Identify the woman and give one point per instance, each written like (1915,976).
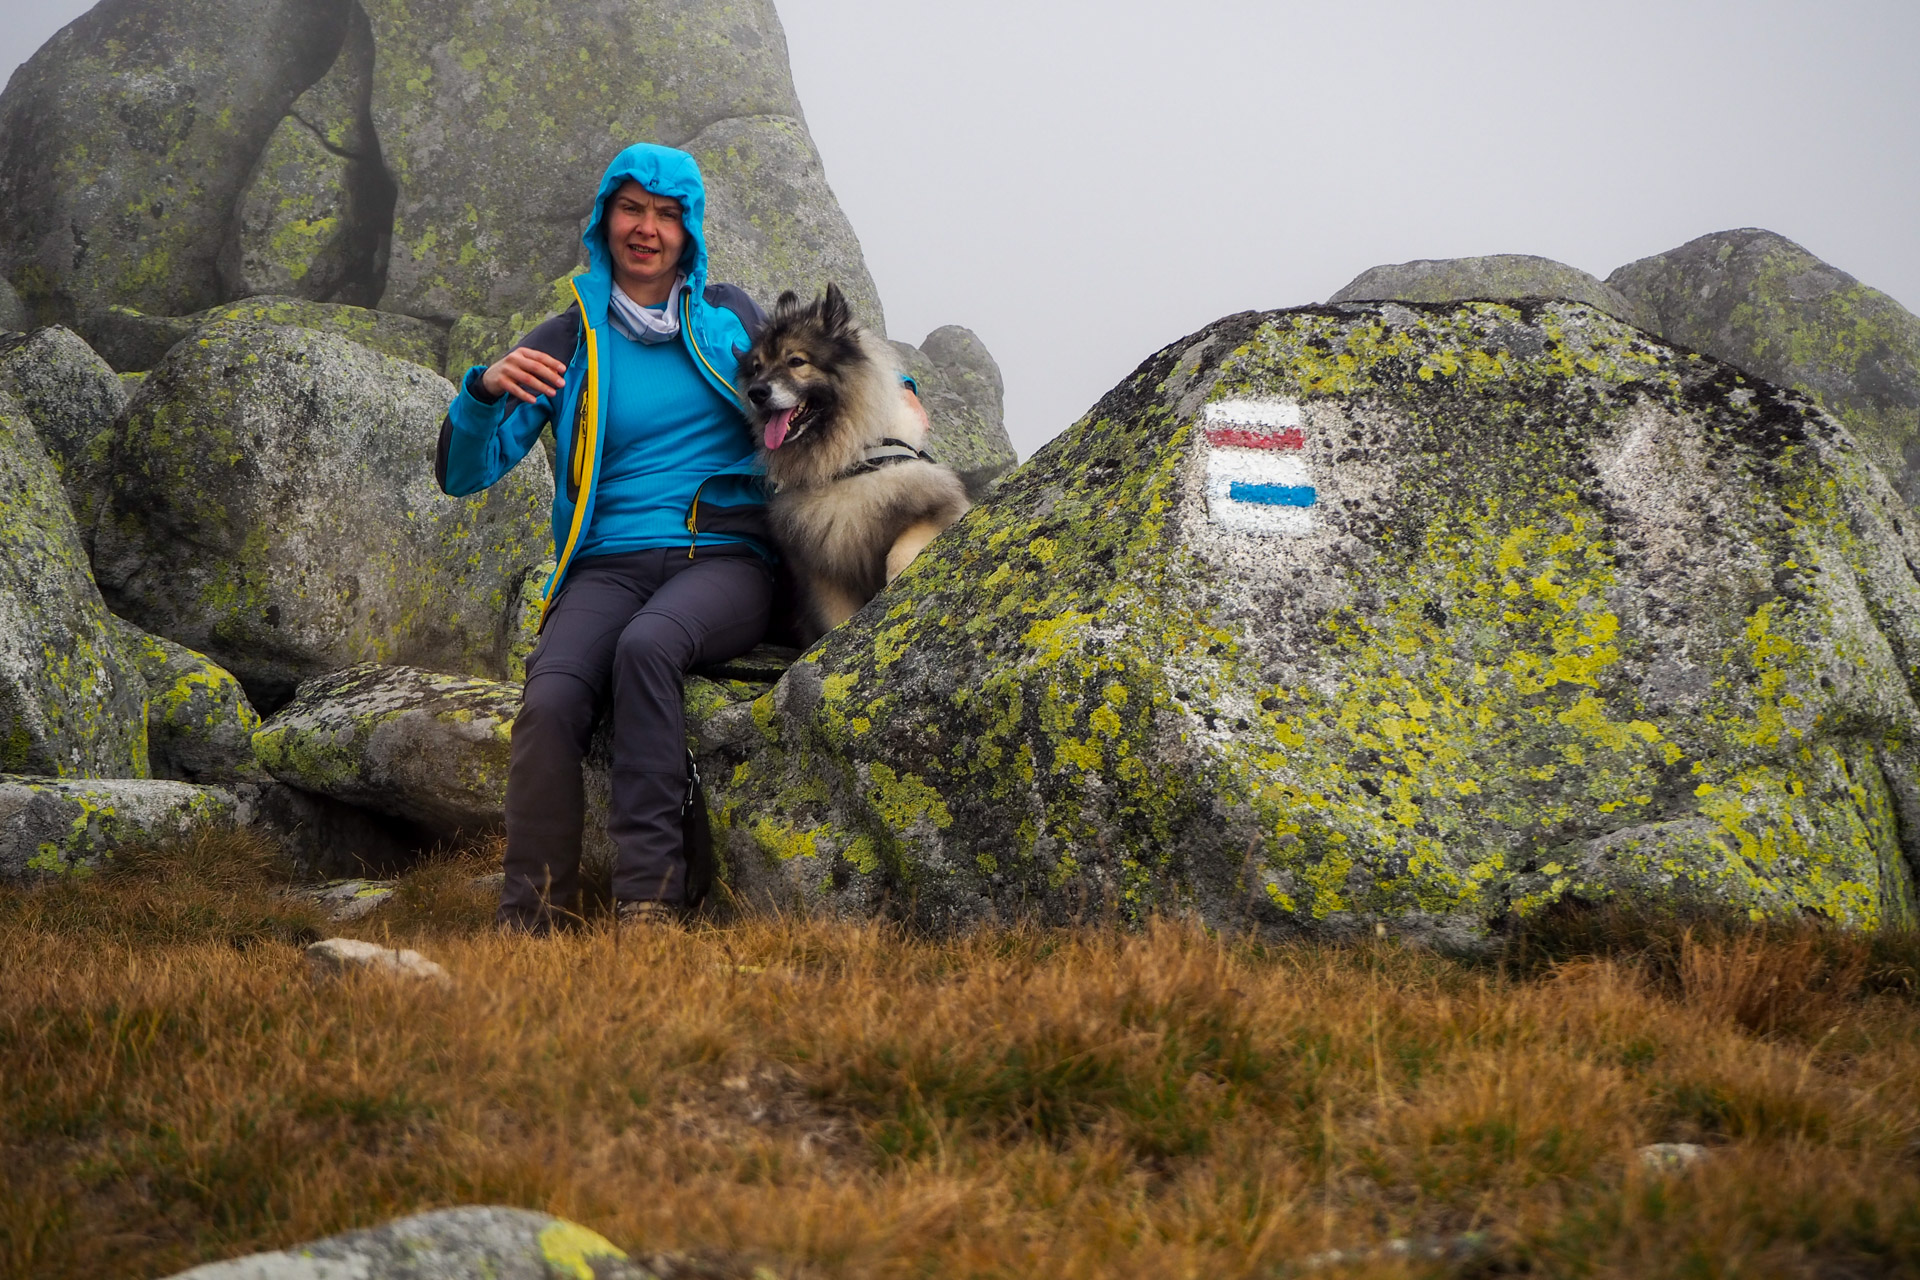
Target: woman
(663,561)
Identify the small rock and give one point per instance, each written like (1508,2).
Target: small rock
(1672,1157)
(336,957)
(347,900)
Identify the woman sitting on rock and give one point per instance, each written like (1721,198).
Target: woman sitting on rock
(664,560)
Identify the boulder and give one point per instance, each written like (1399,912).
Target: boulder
(432,750)
(135,343)
(498,1243)
(71,702)
(463,94)
(14,317)
(1501,276)
(429,749)
(1764,304)
(1416,616)
(72,397)
(965,400)
(772,222)
(200,725)
(273,506)
(126,140)
(338,957)
(54,827)
(314,218)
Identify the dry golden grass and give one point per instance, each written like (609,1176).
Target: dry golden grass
(834,1100)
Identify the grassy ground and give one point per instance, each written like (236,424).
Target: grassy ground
(830,1100)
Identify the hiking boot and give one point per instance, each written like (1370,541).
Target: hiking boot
(646,915)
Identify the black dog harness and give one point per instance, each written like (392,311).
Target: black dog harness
(885,454)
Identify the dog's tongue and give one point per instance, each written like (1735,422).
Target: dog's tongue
(777,427)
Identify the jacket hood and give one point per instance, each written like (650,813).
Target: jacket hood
(664,172)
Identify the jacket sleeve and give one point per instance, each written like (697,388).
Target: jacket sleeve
(482,439)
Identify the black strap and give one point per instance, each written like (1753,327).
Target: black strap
(870,464)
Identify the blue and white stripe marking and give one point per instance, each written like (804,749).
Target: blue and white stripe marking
(1257,475)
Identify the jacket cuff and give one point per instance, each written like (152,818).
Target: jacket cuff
(473,386)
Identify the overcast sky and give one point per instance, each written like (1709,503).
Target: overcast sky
(1082,182)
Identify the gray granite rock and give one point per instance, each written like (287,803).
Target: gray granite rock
(317,212)
(1503,276)
(273,507)
(72,702)
(200,725)
(72,397)
(1761,302)
(446,1244)
(126,139)
(55,827)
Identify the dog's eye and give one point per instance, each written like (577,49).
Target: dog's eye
(796,362)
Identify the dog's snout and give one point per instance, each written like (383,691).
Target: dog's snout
(759,393)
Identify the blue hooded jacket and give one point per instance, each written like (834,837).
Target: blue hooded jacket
(483,439)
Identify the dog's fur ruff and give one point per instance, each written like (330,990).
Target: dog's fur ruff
(847,533)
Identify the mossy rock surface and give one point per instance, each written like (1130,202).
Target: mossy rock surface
(72,397)
(474,1241)
(496,120)
(72,703)
(273,507)
(1572,614)
(54,827)
(1761,302)
(1505,277)
(314,218)
(126,139)
(965,400)
(200,725)
(14,316)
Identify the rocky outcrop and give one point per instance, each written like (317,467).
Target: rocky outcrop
(200,725)
(1421,615)
(772,222)
(71,702)
(273,506)
(314,218)
(125,141)
(72,397)
(14,317)
(498,1243)
(460,104)
(136,343)
(966,405)
(1502,277)
(1761,302)
(52,827)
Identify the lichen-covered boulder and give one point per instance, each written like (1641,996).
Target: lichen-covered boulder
(431,749)
(200,725)
(126,139)
(14,317)
(273,506)
(965,401)
(463,95)
(1761,302)
(1501,276)
(135,343)
(446,1244)
(71,702)
(1424,615)
(54,827)
(772,222)
(314,217)
(72,397)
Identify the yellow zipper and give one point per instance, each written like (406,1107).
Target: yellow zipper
(582,464)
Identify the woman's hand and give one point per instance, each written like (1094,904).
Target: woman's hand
(527,373)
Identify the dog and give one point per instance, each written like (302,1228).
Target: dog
(855,494)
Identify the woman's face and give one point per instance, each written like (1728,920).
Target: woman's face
(645,237)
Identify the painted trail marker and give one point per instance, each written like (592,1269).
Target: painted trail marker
(1257,476)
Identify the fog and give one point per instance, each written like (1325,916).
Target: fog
(1082,183)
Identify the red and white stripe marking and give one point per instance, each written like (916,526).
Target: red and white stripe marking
(1258,480)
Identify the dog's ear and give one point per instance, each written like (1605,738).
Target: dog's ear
(834,311)
(786,304)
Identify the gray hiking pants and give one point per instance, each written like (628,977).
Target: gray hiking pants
(620,638)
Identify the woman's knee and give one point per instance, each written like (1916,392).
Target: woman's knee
(555,705)
(655,640)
